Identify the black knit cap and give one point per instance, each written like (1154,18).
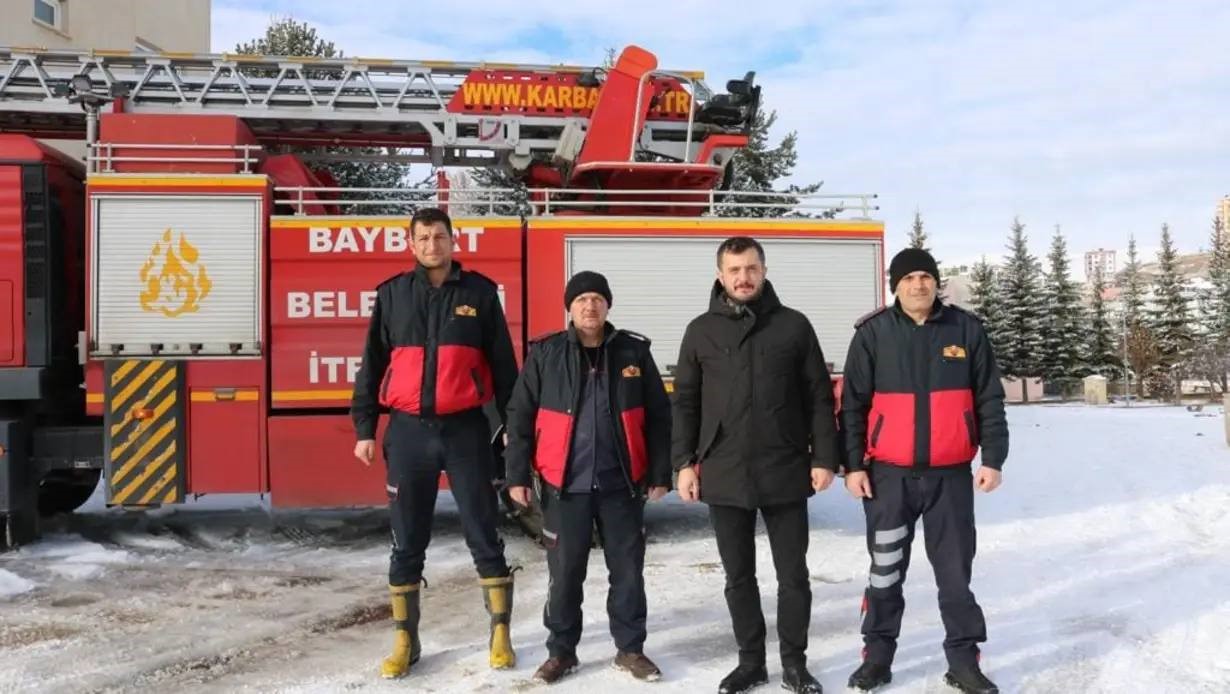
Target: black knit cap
(586,281)
(911,260)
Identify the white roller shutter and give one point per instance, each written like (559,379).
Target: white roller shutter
(177,272)
(660,285)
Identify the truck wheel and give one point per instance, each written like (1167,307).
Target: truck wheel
(64,492)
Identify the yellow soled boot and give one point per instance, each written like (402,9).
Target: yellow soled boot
(498,596)
(406,647)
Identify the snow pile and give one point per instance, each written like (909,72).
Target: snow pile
(11,584)
(74,558)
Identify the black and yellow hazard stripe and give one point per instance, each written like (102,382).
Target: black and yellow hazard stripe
(143,406)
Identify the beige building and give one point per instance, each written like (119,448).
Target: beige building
(1101,260)
(1223,212)
(126,25)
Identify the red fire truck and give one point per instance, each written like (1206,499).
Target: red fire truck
(184,314)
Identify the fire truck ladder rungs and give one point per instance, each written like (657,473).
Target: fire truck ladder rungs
(306,100)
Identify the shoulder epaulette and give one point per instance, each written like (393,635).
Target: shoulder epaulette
(480,276)
(868,316)
(546,336)
(390,280)
(964,310)
(636,336)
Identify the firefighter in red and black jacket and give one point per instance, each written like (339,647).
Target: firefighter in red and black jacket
(591,416)
(438,349)
(921,394)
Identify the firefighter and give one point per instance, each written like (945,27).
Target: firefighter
(755,431)
(438,349)
(590,414)
(921,392)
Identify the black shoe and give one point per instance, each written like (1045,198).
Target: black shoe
(970,680)
(744,679)
(870,676)
(797,679)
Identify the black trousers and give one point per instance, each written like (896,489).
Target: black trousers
(417,449)
(568,522)
(735,529)
(945,501)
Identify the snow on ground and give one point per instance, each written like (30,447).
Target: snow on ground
(1102,567)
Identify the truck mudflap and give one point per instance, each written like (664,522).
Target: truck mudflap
(145,461)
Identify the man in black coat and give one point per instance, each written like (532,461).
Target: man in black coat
(921,394)
(590,415)
(755,430)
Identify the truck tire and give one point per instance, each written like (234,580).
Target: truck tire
(64,492)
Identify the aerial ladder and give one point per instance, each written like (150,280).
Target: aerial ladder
(557,125)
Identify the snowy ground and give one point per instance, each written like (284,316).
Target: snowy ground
(1102,567)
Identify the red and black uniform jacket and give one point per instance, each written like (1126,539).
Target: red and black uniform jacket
(922,396)
(542,412)
(434,351)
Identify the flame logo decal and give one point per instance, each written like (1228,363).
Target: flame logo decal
(174,281)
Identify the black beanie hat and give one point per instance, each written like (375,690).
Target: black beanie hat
(586,281)
(911,260)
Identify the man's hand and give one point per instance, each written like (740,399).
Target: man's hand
(821,478)
(987,479)
(858,484)
(365,451)
(656,493)
(520,495)
(688,484)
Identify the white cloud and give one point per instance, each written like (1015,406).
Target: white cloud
(1106,117)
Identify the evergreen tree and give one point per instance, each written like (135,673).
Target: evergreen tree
(1103,355)
(985,299)
(1018,336)
(286,37)
(1170,318)
(918,236)
(1063,325)
(1215,309)
(1133,283)
(759,166)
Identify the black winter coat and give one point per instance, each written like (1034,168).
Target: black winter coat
(924,397)
(542,412)
(753,403)
(434,351)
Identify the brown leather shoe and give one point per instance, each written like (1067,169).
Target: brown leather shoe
(555,668)
(641,667)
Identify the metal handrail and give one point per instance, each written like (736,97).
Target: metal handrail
(547,198)
(101,158)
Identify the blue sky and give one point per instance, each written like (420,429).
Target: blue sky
(1106,117)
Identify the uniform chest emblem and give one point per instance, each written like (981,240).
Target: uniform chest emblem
(954,352)
(631,371)
(466,310)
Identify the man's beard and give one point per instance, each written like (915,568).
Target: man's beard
(732,299)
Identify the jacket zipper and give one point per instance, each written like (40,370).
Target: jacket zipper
(875,431)
(970,429)
(478,384)
(388,380)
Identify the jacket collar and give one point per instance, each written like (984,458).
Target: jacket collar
(575,338)
(937,311)
(722,305)
(454,272)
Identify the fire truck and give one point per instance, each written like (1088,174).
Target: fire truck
(183,313)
